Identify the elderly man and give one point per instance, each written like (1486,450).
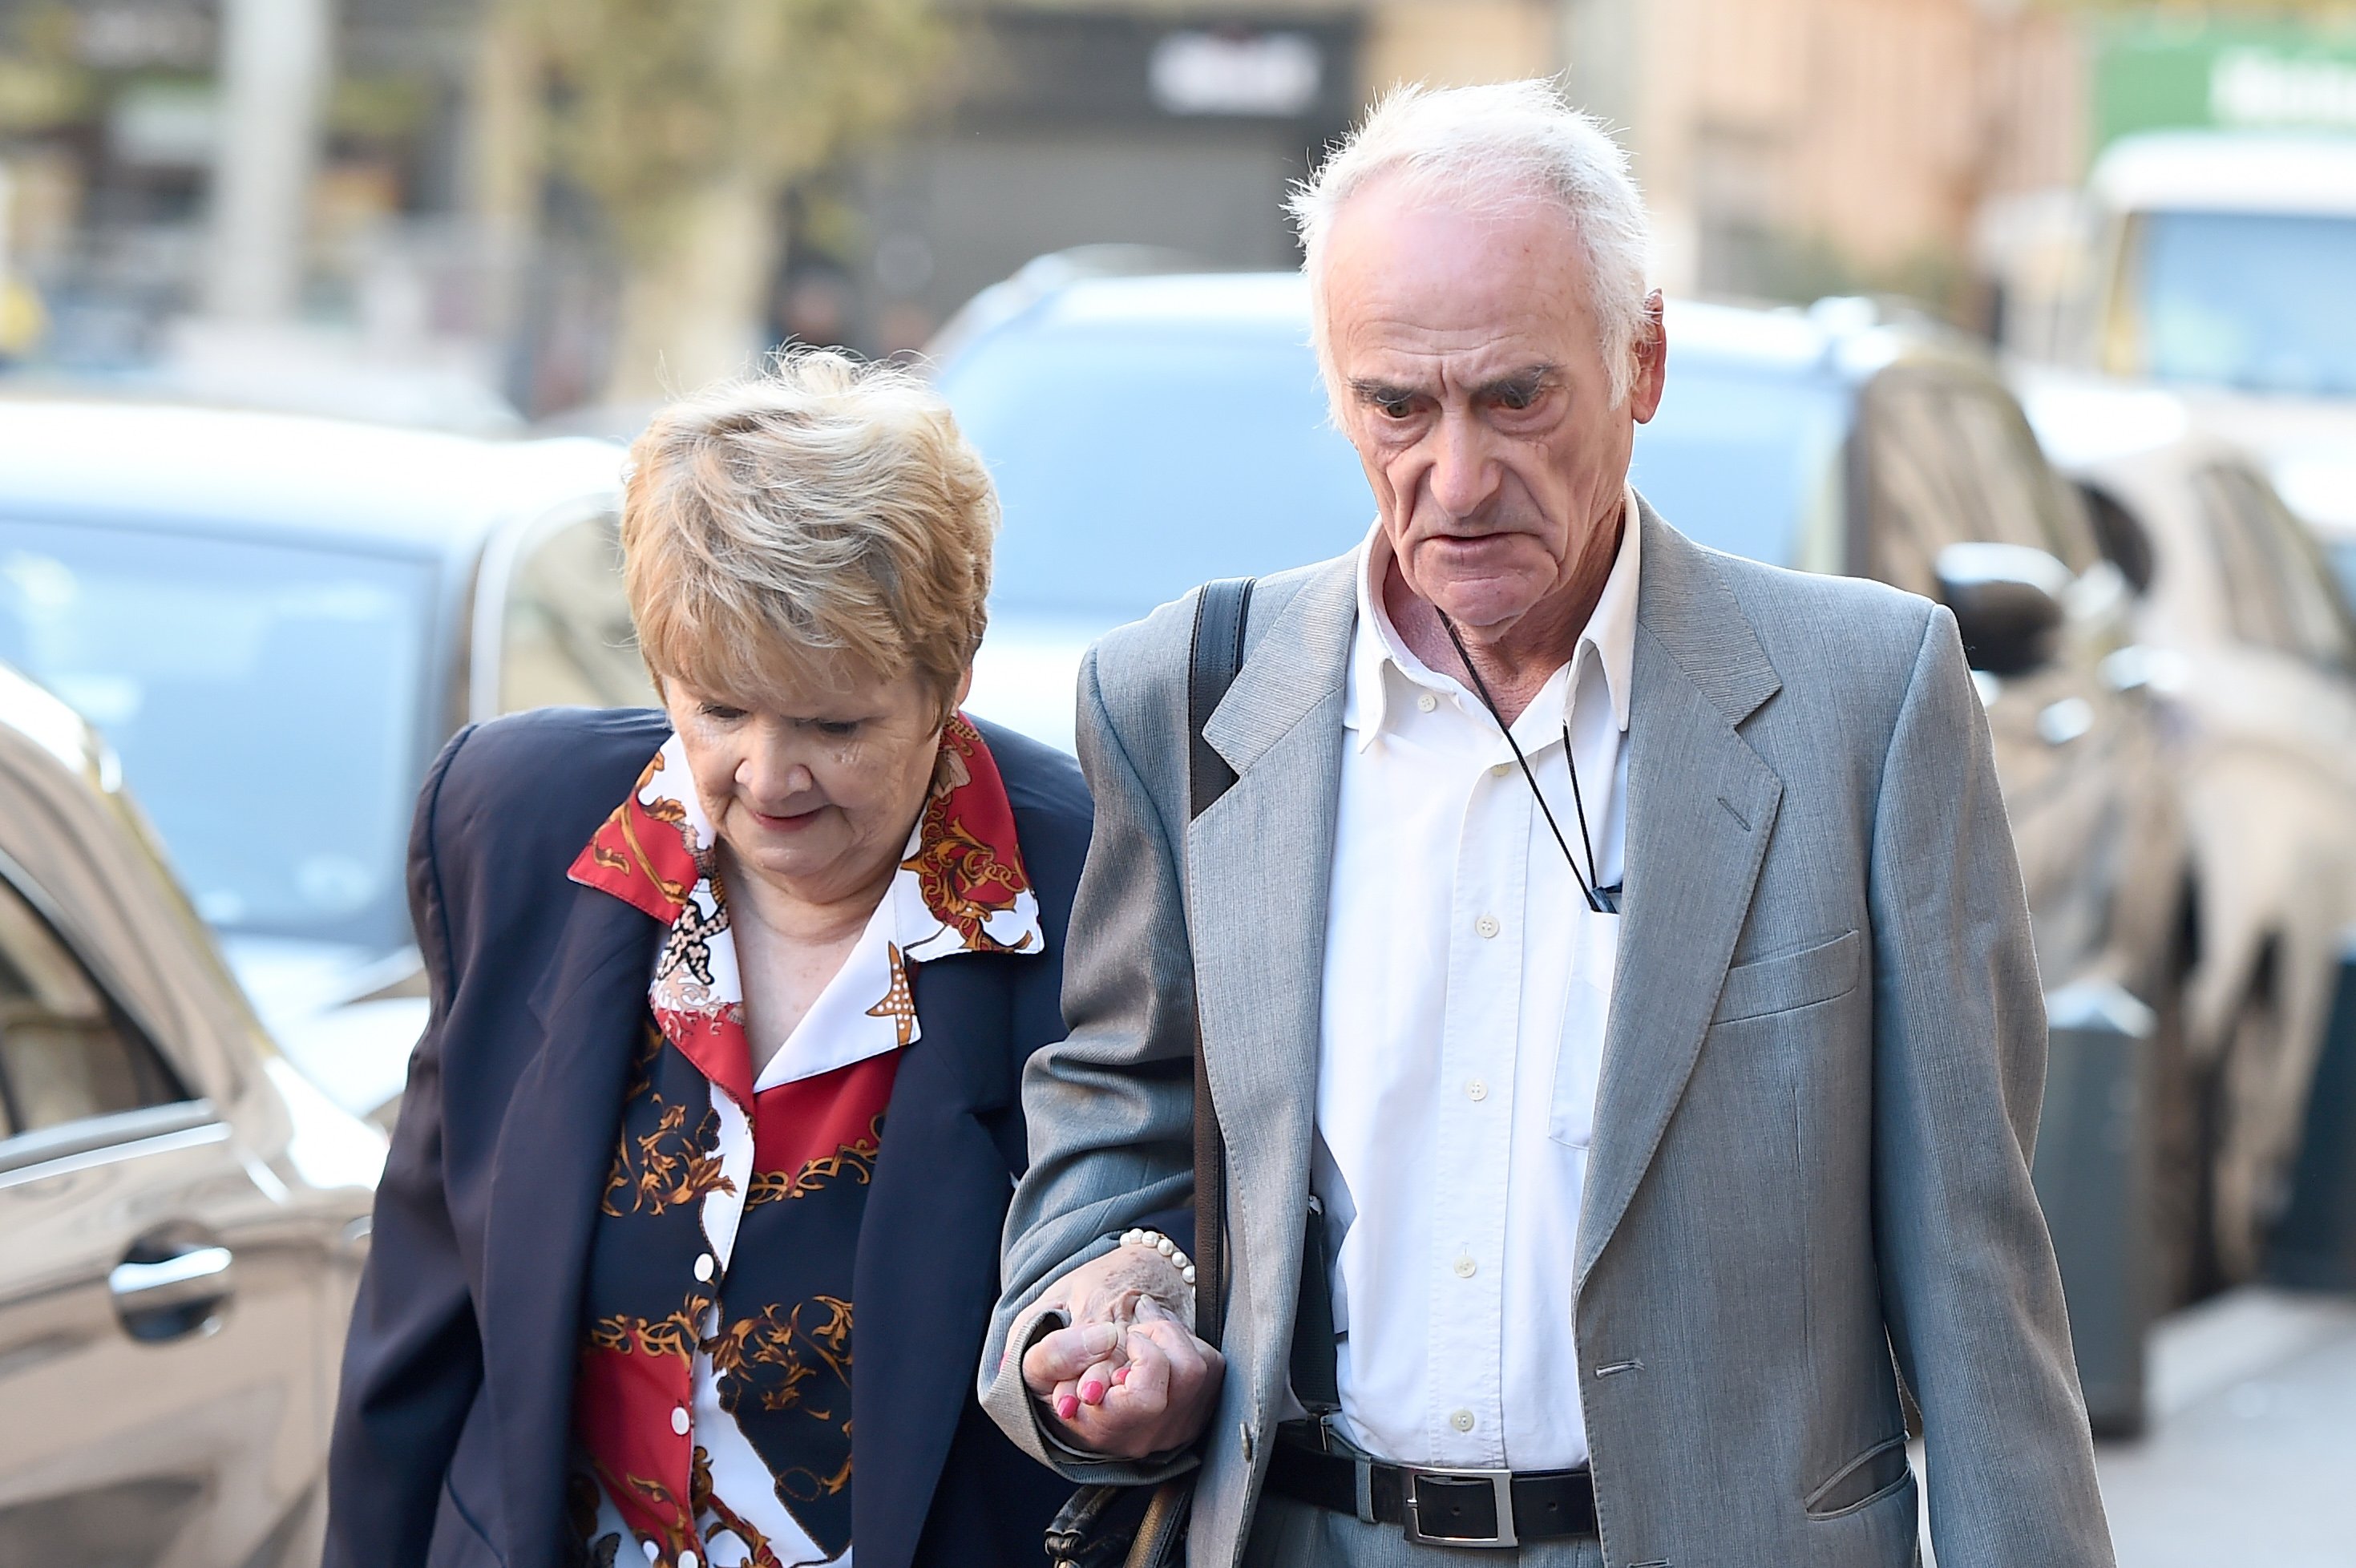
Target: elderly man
(1614,949)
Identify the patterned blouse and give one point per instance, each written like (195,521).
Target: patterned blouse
(712,1405)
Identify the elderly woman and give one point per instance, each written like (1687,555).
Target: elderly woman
(690,1231)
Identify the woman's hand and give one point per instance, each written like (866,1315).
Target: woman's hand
(1128,1377)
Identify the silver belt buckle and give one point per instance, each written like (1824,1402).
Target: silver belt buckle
(1501,1484)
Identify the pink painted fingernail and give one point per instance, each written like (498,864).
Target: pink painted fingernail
(1093,1392)
(1066,1407)
(1121,1374)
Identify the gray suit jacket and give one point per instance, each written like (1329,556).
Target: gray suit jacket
(1820,1083)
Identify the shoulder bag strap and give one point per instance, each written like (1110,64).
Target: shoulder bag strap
(1086,1533)
(1222,611)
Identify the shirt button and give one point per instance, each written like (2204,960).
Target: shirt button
(1476,1090)
(1464,1265)
(678,1420)
(1461,1420)
(1487,926)
(1501,769)
(704,1267)
(1425,701)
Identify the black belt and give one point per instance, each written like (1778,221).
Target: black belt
(1438,1507)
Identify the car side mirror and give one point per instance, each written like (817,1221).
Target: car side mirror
(2006,600)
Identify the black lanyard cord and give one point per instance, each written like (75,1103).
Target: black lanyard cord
(1594,905)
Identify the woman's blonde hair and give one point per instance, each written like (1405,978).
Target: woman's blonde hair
(822,519)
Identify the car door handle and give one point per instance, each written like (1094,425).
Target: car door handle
(164,1298)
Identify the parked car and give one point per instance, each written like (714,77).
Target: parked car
(2215,261)
(182,1214)
(276,621)
(2252,650)
(1148,433)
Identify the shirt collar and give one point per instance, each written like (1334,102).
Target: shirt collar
(961,886)
(1379,655)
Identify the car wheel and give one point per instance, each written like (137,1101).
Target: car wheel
(2240,1199)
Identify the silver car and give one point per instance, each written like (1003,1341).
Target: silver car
(182,1214)
(2249,648)
(276,621)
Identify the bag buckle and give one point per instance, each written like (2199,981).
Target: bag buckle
(1467,1485)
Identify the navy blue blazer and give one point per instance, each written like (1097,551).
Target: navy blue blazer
(453,1429)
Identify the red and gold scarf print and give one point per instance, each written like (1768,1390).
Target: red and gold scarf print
(781,1350)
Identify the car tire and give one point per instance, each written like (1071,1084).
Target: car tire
(2241,1200)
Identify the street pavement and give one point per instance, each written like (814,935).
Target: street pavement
(2251,1457)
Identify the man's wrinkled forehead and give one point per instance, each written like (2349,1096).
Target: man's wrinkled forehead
(1494,289)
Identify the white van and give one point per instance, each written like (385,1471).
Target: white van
(2222,263)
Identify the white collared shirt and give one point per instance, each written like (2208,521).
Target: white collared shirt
(1466,988)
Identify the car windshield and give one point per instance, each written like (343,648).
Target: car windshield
(2258,301)
(1745,459)
(1136,461)
(264,700)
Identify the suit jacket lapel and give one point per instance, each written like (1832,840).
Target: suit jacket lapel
(1701,805)
(1259,864)
(928,1249)
(557,1145)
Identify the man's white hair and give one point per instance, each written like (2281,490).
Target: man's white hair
(1485,149)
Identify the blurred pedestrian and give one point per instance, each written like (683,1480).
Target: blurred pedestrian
(1612,967)
(692,1213)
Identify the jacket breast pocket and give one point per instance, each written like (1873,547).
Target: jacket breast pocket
(1782,982)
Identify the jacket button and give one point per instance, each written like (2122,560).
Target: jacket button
(1244,1431)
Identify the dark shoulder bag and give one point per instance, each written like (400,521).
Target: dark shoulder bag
(1103,1524)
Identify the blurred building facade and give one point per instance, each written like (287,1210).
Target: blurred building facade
(254,181)
(1795,147)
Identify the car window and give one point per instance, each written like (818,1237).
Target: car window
(565,629)
(2256,599)
(2018,498)
(66,1053)
(1747,460)
(1134,461)
(266,699)
(2255,300)
(2317,615)
(1917,499)
(2278,588)
(2121,536)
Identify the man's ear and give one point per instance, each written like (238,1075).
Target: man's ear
(1651,351)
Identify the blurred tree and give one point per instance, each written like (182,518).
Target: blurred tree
(685,119)
(41,84)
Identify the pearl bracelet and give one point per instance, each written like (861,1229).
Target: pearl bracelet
(1163,1245)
